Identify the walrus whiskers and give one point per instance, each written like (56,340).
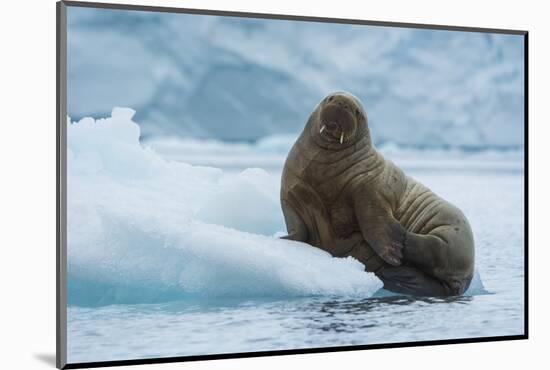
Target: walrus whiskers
(322,129)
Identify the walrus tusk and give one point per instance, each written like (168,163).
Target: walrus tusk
(342,137)
(322,129)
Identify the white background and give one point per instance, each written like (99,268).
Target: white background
(27,194)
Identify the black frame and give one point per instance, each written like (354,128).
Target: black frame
(61,195)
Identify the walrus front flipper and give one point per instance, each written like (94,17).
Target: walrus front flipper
(297,229)
(383,233)
(305,214)
(412,281)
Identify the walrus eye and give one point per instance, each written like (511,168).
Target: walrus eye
(330,98)
(357,111)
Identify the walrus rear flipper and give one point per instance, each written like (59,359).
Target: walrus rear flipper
(412,281)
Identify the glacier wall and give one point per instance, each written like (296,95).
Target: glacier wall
(238,79)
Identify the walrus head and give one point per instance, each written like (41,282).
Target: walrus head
(338,121)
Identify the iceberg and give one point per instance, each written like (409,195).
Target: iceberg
(144,229)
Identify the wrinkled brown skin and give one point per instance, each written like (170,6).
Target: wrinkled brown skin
(348,200)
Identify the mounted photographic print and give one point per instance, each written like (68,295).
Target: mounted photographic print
(236,184)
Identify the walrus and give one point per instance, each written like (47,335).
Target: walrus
(338,193)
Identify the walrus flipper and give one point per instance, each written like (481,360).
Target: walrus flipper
(412,281)
(381,230)
(297,229)
(305,215)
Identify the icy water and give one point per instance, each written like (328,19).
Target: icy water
(491,199)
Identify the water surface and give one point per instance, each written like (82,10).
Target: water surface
(492,201)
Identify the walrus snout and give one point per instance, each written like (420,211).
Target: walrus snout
(337,121)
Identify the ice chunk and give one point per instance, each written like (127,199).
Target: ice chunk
(247,202)
(145,229)
(123,113)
